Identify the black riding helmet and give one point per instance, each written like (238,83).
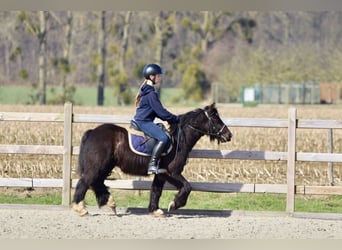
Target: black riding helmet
(152,69)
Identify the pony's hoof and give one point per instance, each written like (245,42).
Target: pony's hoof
(172,206)
(111,204)
(83,212)
(158,213)
(80,209)
(113,210)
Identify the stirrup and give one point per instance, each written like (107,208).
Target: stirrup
(156,170)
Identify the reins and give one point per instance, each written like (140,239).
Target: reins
(178,139)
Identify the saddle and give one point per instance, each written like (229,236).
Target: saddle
(142,144)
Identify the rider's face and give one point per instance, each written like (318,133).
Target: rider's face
(158,78)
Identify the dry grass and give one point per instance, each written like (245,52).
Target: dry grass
(243,171)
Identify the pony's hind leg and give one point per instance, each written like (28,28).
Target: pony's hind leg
(103,196)
(78,200)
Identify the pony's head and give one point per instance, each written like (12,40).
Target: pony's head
(216,128)
(207,121)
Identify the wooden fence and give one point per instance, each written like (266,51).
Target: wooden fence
(291,156)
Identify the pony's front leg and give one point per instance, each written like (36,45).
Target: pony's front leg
(155,193)
(184,189)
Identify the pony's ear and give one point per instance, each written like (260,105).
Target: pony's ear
(210,107)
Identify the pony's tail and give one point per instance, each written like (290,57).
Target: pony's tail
(81,164)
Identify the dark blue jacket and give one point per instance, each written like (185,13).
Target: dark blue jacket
(150,107)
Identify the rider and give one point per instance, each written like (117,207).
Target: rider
(148,108)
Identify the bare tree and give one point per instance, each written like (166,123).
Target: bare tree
(40,31)
(163,31)
(125,37)
(101,67)
(66,52)
(43,16)
(9,45)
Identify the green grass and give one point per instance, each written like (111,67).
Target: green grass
(45,199)
(197,200)
(329,204)
(86,96)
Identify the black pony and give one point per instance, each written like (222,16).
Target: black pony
(107,146)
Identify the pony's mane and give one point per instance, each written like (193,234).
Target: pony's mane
(190,116)
(185,119)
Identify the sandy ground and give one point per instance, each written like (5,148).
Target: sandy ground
(57,222)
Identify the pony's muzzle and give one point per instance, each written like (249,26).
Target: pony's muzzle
(226,136)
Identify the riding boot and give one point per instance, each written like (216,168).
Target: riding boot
(153,167)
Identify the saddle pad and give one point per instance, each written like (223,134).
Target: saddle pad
(137,145)
(136,142)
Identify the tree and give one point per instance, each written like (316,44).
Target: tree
(40,31)
(208,27)
(63,63)
(67,91)
(162,29)
(101,66)
(42,35)
(117,71)
(194,83)
(9,45)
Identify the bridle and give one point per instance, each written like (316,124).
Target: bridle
(213,131)
(211,124)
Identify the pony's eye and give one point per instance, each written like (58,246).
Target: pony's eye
(214,115)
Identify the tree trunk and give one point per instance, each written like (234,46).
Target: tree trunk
(205,32)
(158,56)
(66,52)
(7,61)
(43,16)
(163,32)
(125,41)
(101,66)
(122,58)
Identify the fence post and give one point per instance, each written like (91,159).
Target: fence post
(291,160)
(67,154)
(330,150)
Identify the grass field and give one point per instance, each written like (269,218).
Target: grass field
(197,200)
(84,96)
(232,171)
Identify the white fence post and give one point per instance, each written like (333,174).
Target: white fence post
(291,160)
(330,150)
(67,154)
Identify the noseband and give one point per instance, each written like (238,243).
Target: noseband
(212,128)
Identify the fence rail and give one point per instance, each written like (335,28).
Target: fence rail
(68,150)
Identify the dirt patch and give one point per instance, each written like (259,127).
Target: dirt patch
(57,222)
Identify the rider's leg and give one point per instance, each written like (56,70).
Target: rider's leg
(155,131)
(153,166)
